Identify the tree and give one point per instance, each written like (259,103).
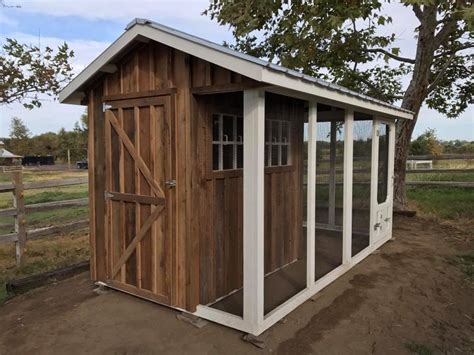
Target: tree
(19,136)
(27,72)
(340,41)
(426,143)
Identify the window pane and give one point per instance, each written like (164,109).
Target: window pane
(215,127)
(362,159)
(383,164)
(228,157)
(268,131)
(240,156)
(285,132)
(329,196)
(240,129)
(275,155)
(215,156)
(228,124)
(268,148)
(276,137)
(284,155)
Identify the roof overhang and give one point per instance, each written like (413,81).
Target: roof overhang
(254,68)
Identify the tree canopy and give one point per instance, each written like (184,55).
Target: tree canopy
(27,72)
(22,142)
(348,43)
(341,41)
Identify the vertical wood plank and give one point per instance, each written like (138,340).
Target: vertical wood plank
(98,184)
(91,175)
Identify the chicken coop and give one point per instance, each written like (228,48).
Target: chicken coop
(226,186)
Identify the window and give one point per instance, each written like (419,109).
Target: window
(382,188)
(227,142)
(277,143)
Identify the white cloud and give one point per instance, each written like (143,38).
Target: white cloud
(4,20)
(118,9)
(50,117)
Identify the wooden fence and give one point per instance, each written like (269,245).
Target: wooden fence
(19,210)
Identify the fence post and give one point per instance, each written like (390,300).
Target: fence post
(20,217)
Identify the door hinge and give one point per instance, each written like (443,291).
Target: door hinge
(106,107)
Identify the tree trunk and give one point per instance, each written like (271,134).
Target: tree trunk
(413,99)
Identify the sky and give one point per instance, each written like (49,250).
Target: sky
(89,26)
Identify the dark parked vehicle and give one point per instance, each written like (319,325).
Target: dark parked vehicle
(82,164)
(30,160)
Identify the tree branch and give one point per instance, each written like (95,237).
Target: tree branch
(444,33)
(454,51)
(418,12)
(391,55)
(438,77)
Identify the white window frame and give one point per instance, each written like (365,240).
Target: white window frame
(278,144)
(222,141)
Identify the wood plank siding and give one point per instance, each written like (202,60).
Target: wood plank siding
(206,218)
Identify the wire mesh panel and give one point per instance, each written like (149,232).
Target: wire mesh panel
(383,163)
(285,200)
(362,161)
(329,196)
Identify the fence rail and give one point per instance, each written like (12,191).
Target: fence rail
(19,210)
(409,171)
(44,184)
(442,157)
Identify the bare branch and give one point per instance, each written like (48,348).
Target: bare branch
(391,55)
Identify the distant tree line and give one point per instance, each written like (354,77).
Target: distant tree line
(22,142)
(428,143)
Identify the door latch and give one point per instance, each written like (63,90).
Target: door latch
(377,226)
(170,183)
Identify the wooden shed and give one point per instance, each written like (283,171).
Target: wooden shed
(224,185)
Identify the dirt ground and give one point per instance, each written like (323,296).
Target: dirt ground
(410,292)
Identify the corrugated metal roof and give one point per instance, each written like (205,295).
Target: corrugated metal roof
(6,154)
(289,72)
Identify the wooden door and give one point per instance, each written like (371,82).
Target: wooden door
(139,168)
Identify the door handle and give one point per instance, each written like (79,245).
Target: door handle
(170,183)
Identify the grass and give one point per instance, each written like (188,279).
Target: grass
(443,202)
(464,177)
(466,263)
(42,256)
(46,218)
(52,253)
(35,175)
(417,348)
